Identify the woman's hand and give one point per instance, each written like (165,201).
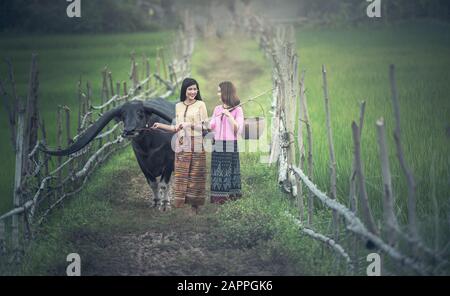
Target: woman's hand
(183,125)
(226,113)
(178,127)
(156,125)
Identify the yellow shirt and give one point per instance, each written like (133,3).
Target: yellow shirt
(194,113)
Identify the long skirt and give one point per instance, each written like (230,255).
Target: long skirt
(190,176)
(225,172)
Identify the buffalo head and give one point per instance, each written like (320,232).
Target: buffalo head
(134,114)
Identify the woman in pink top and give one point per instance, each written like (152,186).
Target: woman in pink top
(227,126)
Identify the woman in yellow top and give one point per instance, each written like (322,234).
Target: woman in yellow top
(190,157)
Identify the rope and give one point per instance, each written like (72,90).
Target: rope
(251,100)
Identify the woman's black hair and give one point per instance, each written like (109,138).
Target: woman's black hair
(186,83)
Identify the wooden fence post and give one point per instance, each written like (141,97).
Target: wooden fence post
(361,181)
(111,86)
(68,133)
(147,68)
(2,238)
(105,91)
(412,219)
(59,145)
(390,219)
(158,67)
(15,98)
(301,146)
(125,91)
(17,194)
(88,99)
(80,105)
(31,114)
(115,134)
(333,178)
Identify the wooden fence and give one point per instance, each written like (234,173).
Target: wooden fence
(401,244)
(43,182)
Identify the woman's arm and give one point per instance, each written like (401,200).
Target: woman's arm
(167,127)
(232,121)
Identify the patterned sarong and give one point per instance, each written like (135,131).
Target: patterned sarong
(190,174)
(225,172)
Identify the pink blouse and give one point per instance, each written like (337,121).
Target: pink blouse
(222,127)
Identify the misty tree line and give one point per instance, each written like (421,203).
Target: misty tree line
(50,16)
(391,9)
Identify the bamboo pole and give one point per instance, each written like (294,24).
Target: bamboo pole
(68,132)
(88,98)
(310,171)
(31,120)
(44,141)
(355,225)
(390,219)
(115,103)
(11,115)
(293,68)
(15,98)
(148,75)
(59,142)
(332,165)
(361,181)
(412,219)
(352,195)
(111,85)
(158,66)
(144,66)
(17,194)
(108,106)
(2,238)
(324,239)
(80,105)
(105,91)
(125,91)
(105,97)
(301,145)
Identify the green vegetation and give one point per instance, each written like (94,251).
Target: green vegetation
(357,62)
(253,235)
(62,60)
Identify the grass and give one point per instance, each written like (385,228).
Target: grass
(88,212)
(62,60)
(357,62)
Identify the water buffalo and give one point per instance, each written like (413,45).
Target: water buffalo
(152,148)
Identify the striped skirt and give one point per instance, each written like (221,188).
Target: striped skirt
(190,175)
(225,172)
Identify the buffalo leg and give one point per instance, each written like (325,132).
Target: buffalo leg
(154,186)
(164,185)
(164,193)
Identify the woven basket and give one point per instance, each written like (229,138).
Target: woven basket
(253,128)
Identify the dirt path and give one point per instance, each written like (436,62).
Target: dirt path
(149,242)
